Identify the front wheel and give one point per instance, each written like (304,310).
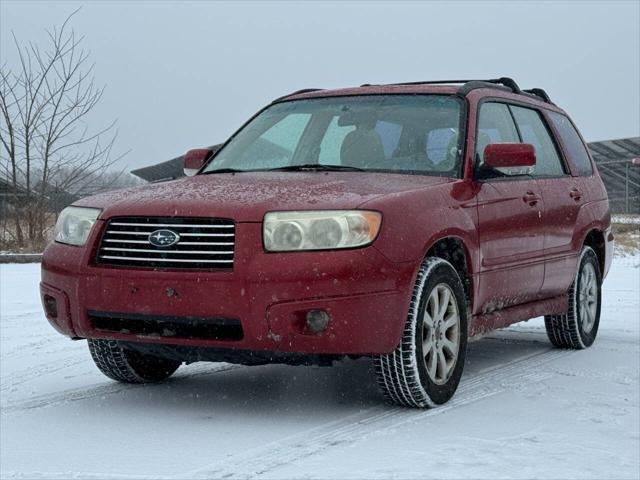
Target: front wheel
(129,366)
(578,327)
(425,369)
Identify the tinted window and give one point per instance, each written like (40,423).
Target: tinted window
(572,142)
(377,132)
(495,125)
(534,131)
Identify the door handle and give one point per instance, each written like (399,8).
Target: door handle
(575,194)
(531,198)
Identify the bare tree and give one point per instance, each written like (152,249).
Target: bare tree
(46,144)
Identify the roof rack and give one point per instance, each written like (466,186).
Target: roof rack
(469,85)
(539,92)
(505,83)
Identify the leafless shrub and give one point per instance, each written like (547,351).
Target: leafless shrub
(46,143)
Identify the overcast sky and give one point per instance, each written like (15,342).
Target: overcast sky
(182,75)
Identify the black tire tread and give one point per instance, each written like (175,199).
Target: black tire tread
(563,330)
(118,364)
(397,373)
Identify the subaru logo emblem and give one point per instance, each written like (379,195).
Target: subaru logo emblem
(163,238)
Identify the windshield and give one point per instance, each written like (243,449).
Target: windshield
(392,133)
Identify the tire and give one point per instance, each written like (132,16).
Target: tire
(407,376)
(578,327)
(128,366)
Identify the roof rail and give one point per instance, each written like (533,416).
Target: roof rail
(506,81)
(469,85)
(502,82)
(426,82)
(297,92)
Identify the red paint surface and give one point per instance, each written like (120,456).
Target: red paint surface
(521,237)
(194,159)
(498,155)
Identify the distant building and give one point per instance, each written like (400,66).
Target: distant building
(55,198)
(8,196)
(620,174)
(58,199)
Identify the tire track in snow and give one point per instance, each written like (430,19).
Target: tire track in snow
(97,391)
(42,343)
(20,377)
(261,460)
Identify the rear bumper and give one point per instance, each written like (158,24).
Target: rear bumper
(366,296)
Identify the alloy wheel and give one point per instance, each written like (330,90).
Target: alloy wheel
(441,334)
(588,297)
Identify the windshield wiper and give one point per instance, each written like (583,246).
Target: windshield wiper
(309,167)
(316,167)
(223,170)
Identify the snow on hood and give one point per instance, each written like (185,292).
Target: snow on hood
(246,197)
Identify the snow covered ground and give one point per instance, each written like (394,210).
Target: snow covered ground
(523,409)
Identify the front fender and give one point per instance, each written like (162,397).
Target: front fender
(413,221)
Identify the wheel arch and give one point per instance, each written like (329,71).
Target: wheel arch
(454,250)
(595,239)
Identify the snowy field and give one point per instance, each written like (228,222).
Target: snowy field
(523,409)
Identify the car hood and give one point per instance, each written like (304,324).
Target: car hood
(246,197)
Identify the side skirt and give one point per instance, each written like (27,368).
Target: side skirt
(485,323)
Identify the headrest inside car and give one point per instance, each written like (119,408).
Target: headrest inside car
(358,119)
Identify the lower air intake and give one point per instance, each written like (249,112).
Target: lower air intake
(167,327)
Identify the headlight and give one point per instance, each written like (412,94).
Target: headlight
(320,230)
(74,225)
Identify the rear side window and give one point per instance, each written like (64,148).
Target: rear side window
(495,125)
(572,142)
(534,131)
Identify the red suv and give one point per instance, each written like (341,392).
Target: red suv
(391,221)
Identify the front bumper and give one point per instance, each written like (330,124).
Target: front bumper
(366,296)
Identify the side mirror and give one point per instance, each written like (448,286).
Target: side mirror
(195,159)
(510,158)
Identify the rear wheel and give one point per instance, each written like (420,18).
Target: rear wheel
(425,369)
(129,366)
(579,326)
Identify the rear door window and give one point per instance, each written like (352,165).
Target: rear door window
(574,147)
(534,131)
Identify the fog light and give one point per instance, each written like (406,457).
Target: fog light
(50,306)
(317,320)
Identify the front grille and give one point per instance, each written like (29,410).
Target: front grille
(167,327)
(203,243)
